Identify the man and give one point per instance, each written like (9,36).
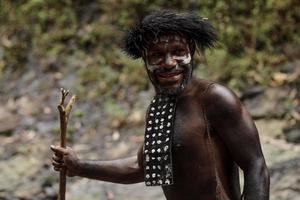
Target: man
(197,132)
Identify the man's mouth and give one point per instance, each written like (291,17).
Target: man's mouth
(170,79)
(167,75)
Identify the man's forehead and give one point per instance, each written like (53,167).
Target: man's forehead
(170,38)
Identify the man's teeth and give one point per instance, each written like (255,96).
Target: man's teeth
(170,74)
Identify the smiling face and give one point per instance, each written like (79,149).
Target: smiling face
(168,62)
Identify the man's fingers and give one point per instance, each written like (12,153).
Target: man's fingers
(58,150)
(58,155)
(56,168)
(57,164)
(57,158)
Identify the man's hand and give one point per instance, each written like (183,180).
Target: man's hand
(65,158)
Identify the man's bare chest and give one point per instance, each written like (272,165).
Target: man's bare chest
(191,149)
(190,139)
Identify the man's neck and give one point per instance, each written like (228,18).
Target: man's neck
(186,89)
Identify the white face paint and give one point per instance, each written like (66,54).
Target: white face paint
(151,68)
(181,60)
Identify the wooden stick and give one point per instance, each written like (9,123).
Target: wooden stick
(64,113)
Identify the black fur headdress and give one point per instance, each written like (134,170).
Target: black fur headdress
(160,23)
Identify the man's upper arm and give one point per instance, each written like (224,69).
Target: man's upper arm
(230,120)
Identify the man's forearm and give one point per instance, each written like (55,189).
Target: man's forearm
(257,182)
(125,171)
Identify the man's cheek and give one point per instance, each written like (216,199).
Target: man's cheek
(152,68)
(184,60)
(187,60)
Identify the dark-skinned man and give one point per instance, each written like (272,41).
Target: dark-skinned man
(197,132)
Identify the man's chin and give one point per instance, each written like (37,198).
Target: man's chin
(171,85)
(170,90)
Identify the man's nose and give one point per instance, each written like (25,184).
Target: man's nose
(169,62)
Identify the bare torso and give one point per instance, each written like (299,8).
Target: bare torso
(195,156)
(212,132)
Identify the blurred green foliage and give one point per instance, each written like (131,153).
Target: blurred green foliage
(255,37)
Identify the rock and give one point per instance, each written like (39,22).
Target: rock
(273,103)
(68,81)
(270,127)
(26,105)
(8,121)
(22,173)
(44,127)
(92,190)
(115,135)
(120,150)
(284,165)
(117,122)
(27,122)
(16,171)
(278,150)
(86,189)
(285,180)
(136,118)
(292,133)
(251,93)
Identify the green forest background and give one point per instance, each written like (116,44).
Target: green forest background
(255,37)
(76,44)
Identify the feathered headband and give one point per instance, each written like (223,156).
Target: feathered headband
(160,23)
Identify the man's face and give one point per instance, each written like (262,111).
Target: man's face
(168,61)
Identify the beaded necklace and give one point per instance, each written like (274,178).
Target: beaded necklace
(158,141)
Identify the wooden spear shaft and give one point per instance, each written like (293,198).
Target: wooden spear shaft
(64,112)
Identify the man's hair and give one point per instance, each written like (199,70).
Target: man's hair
(166,22)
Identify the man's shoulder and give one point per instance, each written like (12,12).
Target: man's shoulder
(199,86)
(210,88)
(216,96)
